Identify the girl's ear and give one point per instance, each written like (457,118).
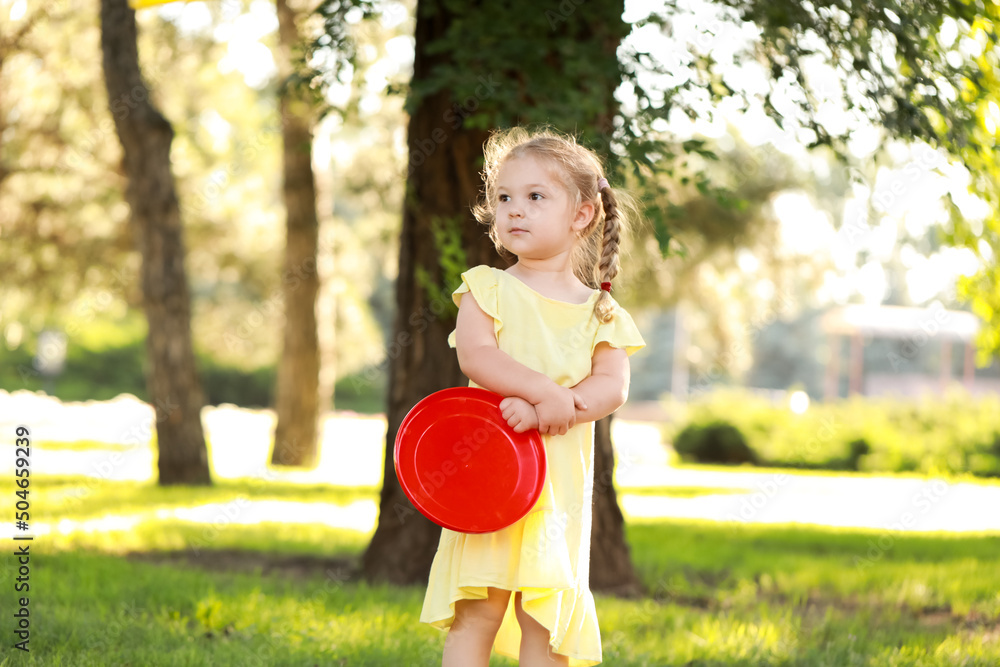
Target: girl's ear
(584,216)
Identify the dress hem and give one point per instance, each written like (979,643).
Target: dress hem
(582,661)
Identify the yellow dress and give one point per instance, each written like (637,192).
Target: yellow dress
(545,555)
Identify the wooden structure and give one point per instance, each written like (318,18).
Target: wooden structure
(918,326)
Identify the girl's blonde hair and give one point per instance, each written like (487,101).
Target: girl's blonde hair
(578,169)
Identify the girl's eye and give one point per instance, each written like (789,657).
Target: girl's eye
(504,197)
(535,196)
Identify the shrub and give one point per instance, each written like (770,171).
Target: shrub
(716,442)
(954,433)
(855,450)
(226,384)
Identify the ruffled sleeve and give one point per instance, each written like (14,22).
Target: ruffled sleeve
(620,332)
(481,282)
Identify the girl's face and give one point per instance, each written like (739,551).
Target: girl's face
(535,217)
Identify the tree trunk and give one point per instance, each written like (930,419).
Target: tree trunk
(297,399)
(611,568)
(145,135)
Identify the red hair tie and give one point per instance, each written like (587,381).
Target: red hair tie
(606,287)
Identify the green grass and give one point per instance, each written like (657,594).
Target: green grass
(720,595)
(156,535)
(713,565)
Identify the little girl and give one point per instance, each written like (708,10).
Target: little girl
(547,335)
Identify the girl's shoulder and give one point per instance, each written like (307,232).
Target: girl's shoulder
(482,270)
(482,276)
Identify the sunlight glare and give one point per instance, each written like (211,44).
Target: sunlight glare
(191,18)
(948,31)
(804,228)
(871,283)
(18,9)
(252,59)
(359,515)
(798,402)
(858,502)
(245,52)
(747,261)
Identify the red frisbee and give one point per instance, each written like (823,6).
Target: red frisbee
(463,467)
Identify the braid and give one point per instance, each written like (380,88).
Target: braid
(608,264)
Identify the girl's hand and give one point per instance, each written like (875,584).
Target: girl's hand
(557,411)
(519,413)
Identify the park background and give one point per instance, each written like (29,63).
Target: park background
(214,327)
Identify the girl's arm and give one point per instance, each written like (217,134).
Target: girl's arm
(606,388)
(488,366)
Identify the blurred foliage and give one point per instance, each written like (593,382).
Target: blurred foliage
(982,290)
(61,210)
(452,261)
(515,72)
(712,243)
(65,247)
(953,434)
(516,68)
(224,157)
(362,392)
(329,54)
(826,70)
(108,358)
(926,71)
(893,51)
